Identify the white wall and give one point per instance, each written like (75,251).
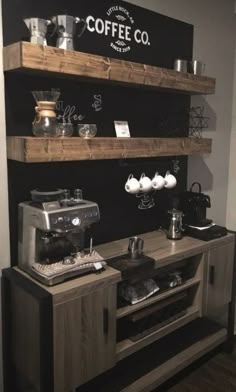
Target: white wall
(214,43)
(231,204)
(4,226)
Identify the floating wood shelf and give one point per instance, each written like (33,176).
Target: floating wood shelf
(33,149)
(27,57)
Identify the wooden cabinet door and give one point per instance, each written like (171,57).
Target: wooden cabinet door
(220,277)
(84,338)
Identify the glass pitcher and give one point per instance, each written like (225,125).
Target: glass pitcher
(45,123)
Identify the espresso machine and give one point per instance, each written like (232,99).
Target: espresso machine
(38,30)
(65,28)
(51,239)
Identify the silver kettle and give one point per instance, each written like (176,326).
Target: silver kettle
(175,231)
(65,27)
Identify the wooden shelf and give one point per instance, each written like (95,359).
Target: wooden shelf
(28,57)
(127,347)
(126,310)
(33,149)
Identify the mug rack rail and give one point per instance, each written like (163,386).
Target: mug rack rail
(34,149)
(30,58)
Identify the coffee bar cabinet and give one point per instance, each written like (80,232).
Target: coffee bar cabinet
(79,334)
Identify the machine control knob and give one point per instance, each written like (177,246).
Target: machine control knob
(76,221)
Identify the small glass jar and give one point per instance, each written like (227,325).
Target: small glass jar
(65,130)
(87,131)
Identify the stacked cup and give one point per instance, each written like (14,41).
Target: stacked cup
(145,184)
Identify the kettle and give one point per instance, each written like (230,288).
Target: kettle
(175,231)
(65,27)
(38,30)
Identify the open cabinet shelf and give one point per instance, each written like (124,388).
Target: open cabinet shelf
(33,149)
(160,360)
(127,347)
(29,58)
(129,309)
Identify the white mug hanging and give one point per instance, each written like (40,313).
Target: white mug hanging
(158,182)
(132,185)
(145,183)
(170,180)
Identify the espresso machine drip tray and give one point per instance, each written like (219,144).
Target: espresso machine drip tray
(81,263)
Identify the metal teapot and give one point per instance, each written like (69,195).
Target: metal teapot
(175,231)
(38,30)
(65,28)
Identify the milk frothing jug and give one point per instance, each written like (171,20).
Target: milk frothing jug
(175,231)
(135,247)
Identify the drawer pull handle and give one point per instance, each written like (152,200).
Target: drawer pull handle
(212,275)
(105,321)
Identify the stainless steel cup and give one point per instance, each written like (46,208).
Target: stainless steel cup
(135,247)
(197,67)
(181,65)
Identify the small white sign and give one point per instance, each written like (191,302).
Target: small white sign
(122,128)
(98,266)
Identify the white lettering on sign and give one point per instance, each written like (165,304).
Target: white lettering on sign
(122,31)
(68,114)
(97,105)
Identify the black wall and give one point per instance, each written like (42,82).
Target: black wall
(149,113)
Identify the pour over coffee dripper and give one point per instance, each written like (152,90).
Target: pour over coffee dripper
(45,123)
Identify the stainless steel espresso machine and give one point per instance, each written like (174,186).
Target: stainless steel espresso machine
(51,239)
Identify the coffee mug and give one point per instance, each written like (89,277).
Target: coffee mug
(170,180)
(145,183)
(158,182)
(181,65)
(132,185)
(197,67)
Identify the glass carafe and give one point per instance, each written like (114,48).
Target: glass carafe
(45,123)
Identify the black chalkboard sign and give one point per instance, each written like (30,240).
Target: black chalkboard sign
(120,30)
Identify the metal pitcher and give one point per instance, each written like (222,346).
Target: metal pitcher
(175,231)
(38,30)
(135,247)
